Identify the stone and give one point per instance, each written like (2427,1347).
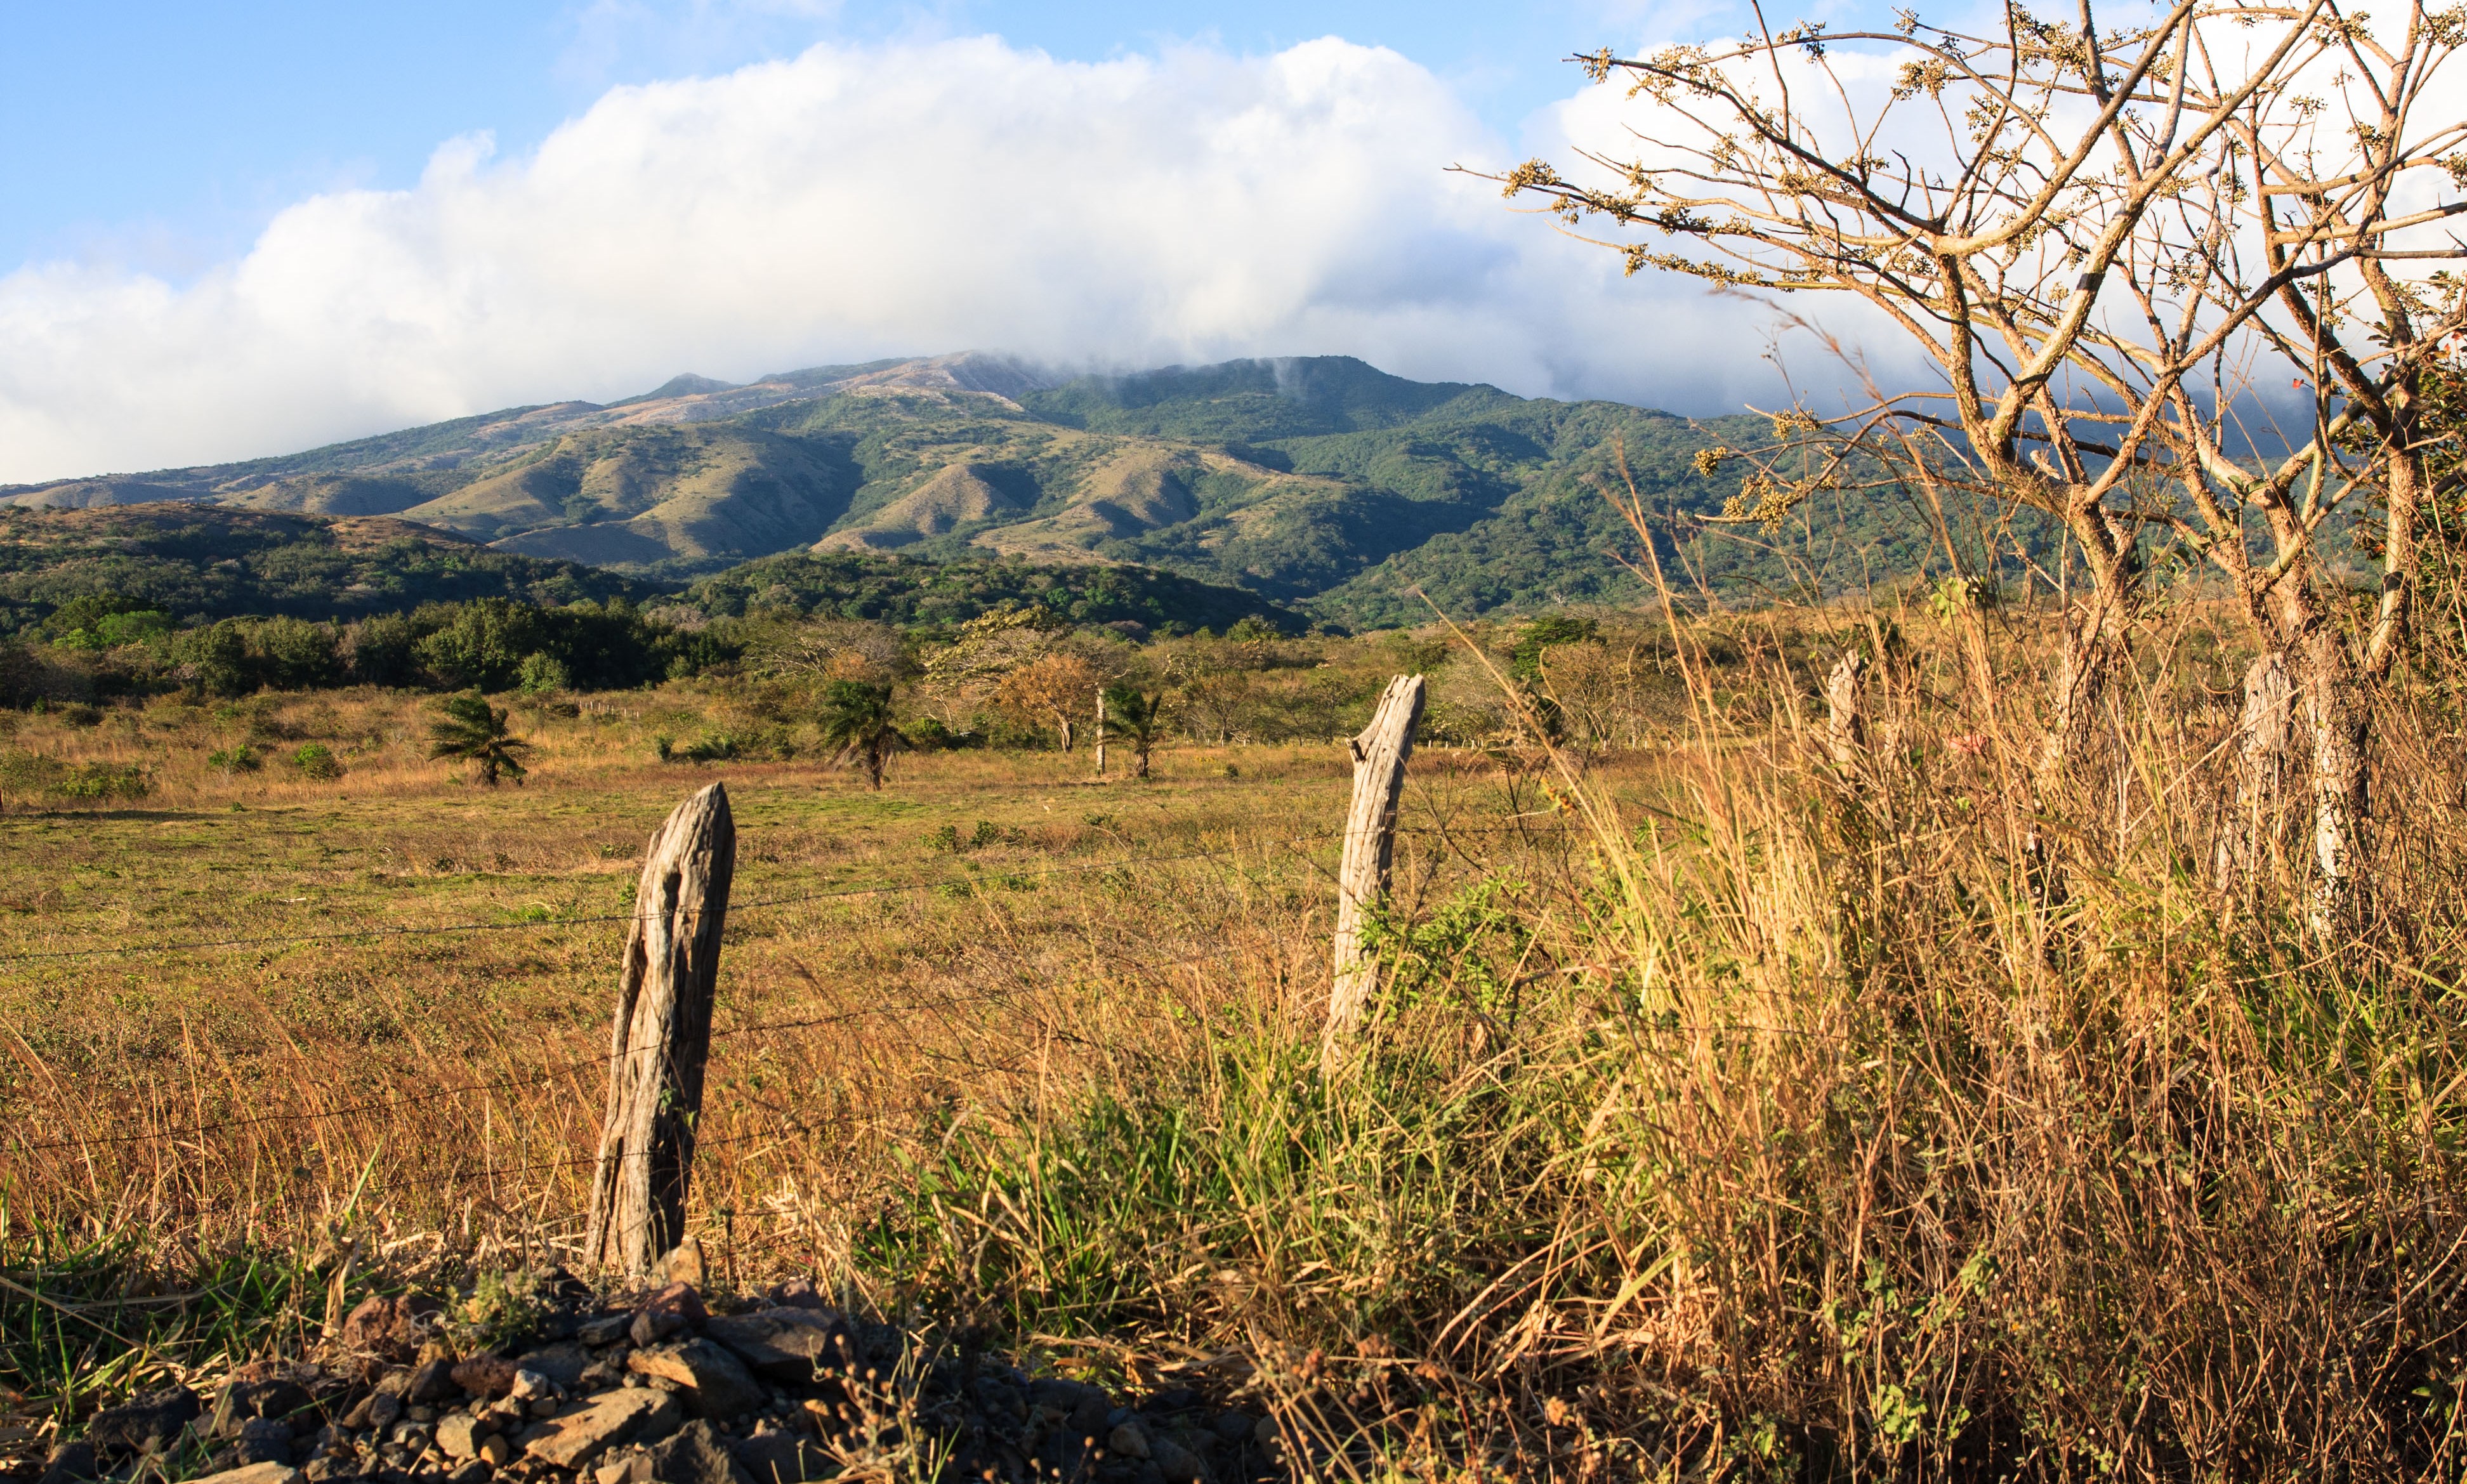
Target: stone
(683,1264)
(496,1451)
(328,1468)
(431,1381)
(469,1472)
(799,1293)
(147,1423)
(1065,1397)
(1093,1416)
(1233,1426)
(1128,1441)
(385,1410)
(242,1401)
(457,1436)
(784,1344)
(602,1422)
(715,1384)
(488,1376)
(692,1455)
(255,1473)
(70,1461)
(532,1386)
(264,1440)
(671,1311)
(606,1329)
(777,1456)
(562,1363)
(1178,1464)
(393,1328)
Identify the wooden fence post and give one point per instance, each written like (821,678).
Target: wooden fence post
(1379,757)
(660,1038)
(1845,724)
(1101,732)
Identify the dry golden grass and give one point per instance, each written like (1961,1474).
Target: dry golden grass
(1731,1113)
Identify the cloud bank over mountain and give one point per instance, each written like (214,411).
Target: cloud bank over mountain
(858,202)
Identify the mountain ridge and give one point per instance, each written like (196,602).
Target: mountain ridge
(1319,482)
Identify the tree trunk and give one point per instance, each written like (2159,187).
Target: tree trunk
(1845,723)
(1100,733)
(1379,757)
(1064,718)
(2264,733)
(2334,712)
(660,1038)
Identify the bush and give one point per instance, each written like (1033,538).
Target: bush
(232,762)
(317,761)
(102,781)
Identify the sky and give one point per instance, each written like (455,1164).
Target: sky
(250,227)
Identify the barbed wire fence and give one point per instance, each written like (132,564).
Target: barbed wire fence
(192,1138)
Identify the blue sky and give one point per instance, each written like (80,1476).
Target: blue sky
(166,134)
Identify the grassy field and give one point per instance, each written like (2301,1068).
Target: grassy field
(1731,1111)
(256,1012)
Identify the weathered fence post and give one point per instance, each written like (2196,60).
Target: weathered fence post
(1379,757)
(660,1038)
(1101,732)
(1846,694)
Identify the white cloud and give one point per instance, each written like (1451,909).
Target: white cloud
(859,202)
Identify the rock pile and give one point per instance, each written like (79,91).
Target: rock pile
(658,1387)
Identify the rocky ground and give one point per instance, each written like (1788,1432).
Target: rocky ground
(657,1386)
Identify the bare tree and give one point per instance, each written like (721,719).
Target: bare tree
(2095,238)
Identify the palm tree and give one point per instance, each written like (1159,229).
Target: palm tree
(475,731)
(1141,715)
(857,720)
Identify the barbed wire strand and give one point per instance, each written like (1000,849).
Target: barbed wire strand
(546,923)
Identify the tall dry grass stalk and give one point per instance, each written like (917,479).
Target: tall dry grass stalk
(1798,1134)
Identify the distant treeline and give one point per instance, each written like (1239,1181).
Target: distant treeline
(106,645)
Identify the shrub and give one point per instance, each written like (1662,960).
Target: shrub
(317,761)
(231,761)
(102,781)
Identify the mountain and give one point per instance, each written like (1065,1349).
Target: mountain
(1316,482)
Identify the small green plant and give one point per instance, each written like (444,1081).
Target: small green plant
(317,761)
(233,761)
(503,1308)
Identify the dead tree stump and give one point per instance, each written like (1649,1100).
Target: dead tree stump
(660,1038)
(1379,757)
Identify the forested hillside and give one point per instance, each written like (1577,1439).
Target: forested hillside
(1321,484)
